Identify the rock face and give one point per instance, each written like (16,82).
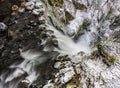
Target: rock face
(5,8)
(63,44)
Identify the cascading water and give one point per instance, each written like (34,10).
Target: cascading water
(64,44)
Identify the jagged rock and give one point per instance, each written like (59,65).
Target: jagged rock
(38,39)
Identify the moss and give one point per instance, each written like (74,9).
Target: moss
(116,36)
(73,83)
(104,81)
(70,86)
(99,46)
(94,54)
(117,20)
(57,3)
(68,17)
(82,27)
(112,59)
(107,58)
(79,5)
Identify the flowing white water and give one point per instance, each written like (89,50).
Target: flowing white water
(68,46)
(26,70)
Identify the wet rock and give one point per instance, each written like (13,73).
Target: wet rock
(3,26)
(116,23)
(38,5)
(29,5)
(79,5)
(21,10)
(36,11)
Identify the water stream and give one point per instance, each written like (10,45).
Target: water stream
(26,72)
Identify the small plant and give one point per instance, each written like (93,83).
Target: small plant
(94,54)
(99,46)
(79,5)
(68,17)
(56,3)
(112,59)
(104,81)
(82,27)
(108,59)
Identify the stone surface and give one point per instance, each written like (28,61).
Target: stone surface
(29,5)
(31,39)
(3,27)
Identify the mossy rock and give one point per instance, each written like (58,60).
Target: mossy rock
(94,54)
(73,83)
(70,86)
(79,5)
(116,36)
(99,46)
(82,27)
(68,17)
(56,3)
(111,59)
(117,20)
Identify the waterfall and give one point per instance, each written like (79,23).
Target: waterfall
(59,43)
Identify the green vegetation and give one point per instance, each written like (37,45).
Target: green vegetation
(94,54)
(108,58)
(79,5)
(117,20)
(99,46)
(111,59)
(116,36)
(57,3)
(104,81)
(68,17)
(82,27)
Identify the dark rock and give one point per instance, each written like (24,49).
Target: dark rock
(5,8)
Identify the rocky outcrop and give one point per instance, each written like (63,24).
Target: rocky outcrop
(57,43)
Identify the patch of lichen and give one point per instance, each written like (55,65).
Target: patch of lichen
(116,36)
(57,3)
(82,27)
(73,83)
(94,54)
(99,46)
(68,17)
(107,58)
(111,59)
(104,81)
(79,5)
(117,20)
